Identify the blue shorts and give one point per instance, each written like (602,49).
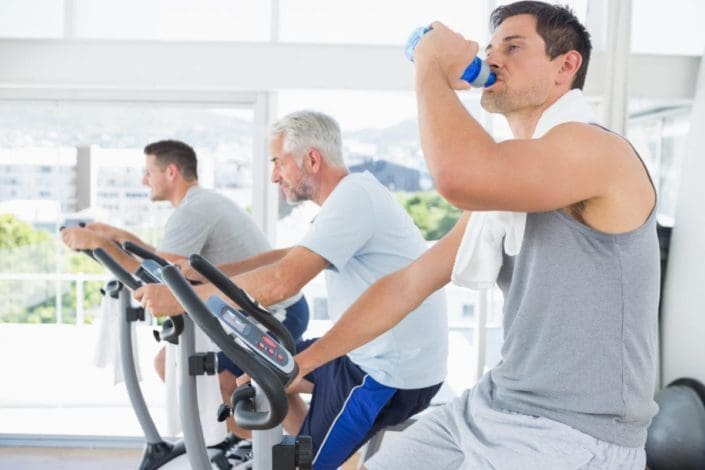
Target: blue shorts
(296,322)
(348,407)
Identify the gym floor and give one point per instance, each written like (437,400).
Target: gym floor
(42,458)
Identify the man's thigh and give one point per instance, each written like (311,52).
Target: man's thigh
(431,442)
(344,407)
(469,434)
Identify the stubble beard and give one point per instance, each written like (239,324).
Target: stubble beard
(507,102)
(303,191)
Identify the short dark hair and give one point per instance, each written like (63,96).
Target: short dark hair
(559,28)
(175,152)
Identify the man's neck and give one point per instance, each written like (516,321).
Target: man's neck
(180,192)
(523,122)
(523,125)
(328,183)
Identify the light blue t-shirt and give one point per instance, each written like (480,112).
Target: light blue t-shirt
(365,235)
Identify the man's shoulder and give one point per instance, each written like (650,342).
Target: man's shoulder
(592,141)
(361,195)
(360,183)
(585,132)
(202,206)
(629,191)
(199,197)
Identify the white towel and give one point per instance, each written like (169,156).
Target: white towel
(207,389)
(171,390)
(479,256)
(107,348)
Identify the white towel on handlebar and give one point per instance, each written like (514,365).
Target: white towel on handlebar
(207,389)
(107,348)
(490,233)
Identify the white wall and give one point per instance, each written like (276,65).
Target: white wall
(683,325)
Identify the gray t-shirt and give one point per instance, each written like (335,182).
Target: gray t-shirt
(213,226)
(580,327)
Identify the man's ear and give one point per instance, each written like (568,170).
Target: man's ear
(570,64)
(314,160)
(172,171)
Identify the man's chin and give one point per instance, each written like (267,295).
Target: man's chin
(487,102)
(293,201)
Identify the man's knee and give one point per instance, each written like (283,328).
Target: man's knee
(228,383)
(160,363)
(303,386)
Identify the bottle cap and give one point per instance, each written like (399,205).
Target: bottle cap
(413,41)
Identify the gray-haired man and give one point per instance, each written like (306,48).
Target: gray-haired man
(360,235)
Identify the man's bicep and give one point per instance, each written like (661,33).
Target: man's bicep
(572,163)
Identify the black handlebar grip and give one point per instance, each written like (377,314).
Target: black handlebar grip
(242,404)
(238,295)
(171,329)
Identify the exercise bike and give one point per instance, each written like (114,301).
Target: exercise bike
(267,357)
(159,453)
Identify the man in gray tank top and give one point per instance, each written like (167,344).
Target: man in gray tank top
(575,383)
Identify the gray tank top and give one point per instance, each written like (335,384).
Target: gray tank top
(580,327)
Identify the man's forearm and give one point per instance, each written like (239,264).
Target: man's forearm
(454,143)
(266,284)
(277,281)
(117,234)
(378,310)
(253,262)
(260,284)
(124,236)
(123,259)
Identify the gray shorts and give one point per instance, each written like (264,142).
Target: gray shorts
(468,434)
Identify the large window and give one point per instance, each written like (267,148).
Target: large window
(65,162)
(660,135)
(175,20)
(316,21)
(672,28)
(202,20)
(20,19)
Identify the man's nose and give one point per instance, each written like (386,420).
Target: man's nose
(493,61)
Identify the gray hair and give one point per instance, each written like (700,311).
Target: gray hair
(304,130)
